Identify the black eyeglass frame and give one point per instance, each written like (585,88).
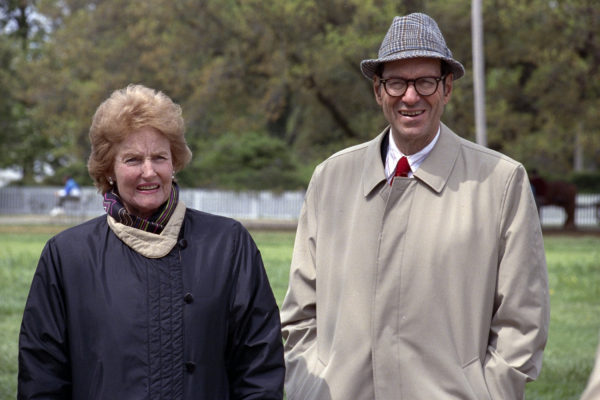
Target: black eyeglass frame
(414,82)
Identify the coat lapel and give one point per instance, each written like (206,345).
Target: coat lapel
(437,167)
(434,171)
(373,168)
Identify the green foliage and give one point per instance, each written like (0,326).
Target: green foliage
(249,161)
(8,119)
(587,182)
(21,143)
(543,80)
(290,70)
(77,170)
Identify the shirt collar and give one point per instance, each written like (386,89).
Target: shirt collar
(414,160)
(433,172)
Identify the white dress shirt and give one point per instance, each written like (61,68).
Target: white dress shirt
(414,160)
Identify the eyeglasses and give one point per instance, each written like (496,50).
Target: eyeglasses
(425,86)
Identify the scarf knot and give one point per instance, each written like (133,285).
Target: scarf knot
(113,205)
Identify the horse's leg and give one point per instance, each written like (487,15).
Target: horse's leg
(570,211)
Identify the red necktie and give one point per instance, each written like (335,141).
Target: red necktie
(402,168)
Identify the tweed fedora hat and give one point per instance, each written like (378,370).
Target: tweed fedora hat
(413,36)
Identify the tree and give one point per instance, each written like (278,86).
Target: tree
(21,31)
(250,161)
(288,71)
(544,81)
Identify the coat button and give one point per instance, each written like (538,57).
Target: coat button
(183,243)
(190,366)
(188,298)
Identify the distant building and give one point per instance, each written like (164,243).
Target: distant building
(8,175)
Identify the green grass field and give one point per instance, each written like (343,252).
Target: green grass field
(574,271)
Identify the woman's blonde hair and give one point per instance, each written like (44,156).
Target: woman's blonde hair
(128,110)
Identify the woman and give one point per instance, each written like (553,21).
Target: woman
(153,300)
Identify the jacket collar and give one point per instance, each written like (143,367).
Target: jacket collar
(149,244)
(436,168)
(434,171)
(373,169)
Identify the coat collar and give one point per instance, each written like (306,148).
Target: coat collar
(373,169)
(149,244)
(436,168)
(434,171)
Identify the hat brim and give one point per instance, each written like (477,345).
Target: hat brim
(369,67)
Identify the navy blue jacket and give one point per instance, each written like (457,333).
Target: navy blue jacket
(104,322)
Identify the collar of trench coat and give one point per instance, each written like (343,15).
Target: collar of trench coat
(434,171)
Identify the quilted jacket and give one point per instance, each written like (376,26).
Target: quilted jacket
(103,321)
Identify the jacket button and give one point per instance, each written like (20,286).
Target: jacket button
(183,243)
(188,298)
(190,366)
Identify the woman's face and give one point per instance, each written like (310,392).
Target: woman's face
(143,171)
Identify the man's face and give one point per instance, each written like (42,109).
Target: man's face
(415,119)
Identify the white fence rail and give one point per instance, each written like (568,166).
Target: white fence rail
(260,205)
(243,205)
(587,212)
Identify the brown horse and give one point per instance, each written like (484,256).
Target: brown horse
(556,193)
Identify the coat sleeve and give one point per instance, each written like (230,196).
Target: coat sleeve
(519,326)
(44,365)
(299,312)
(592,390)
(255,360)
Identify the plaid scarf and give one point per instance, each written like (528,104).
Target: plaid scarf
(155,224)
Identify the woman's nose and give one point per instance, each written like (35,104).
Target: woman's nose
(148,168)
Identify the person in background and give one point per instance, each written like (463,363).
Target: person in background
(418,269)
(70,192)
(153,299)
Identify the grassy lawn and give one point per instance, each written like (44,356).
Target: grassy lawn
(574,271)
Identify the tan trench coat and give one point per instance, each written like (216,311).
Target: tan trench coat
(592,390)
(432,288)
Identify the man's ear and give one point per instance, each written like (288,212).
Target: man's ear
(377,89)
(448,84)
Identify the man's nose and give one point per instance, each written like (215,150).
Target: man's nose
(411,95)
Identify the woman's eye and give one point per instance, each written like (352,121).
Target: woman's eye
(131,160)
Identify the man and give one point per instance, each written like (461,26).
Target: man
(427,285)
(70,192)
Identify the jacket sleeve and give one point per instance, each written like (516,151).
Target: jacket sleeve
(592,390)
(299,312)
(519,327)
(44,365)
(255,357)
